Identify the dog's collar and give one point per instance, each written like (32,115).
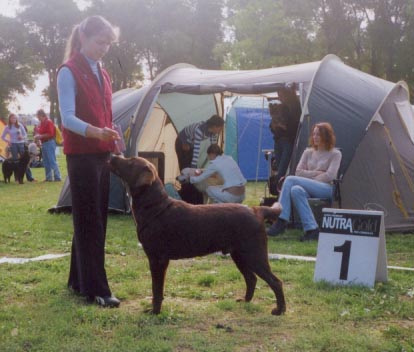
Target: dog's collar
(142,225)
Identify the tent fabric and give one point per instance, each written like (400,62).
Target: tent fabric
(406,115)
(352,101)
(247,136)
(124,105)
(3,144)
(377,166)
(186,78)
(254,137)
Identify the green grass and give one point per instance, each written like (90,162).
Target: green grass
(200,312)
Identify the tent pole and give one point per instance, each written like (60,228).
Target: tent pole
(259,151)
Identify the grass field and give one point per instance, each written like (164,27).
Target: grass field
(200,312)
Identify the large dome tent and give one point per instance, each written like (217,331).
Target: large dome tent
(124,105)
(373,126)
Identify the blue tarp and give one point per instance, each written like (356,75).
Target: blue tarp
(247,136)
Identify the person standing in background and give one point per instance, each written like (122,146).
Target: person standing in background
(284,126)
(46,134)
(85,101)
(17,137)
(187,144)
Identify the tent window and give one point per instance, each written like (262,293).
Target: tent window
(405,112)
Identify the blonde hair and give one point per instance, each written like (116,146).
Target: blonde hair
(327,134)
(90,26)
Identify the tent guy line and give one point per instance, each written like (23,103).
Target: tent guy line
(271,257)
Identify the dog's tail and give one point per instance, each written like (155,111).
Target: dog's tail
(268,213)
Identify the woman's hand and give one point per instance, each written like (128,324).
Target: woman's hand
(104,134)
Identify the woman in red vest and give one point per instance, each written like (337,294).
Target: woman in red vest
(85,102)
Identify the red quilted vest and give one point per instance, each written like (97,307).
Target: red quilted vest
(93,105)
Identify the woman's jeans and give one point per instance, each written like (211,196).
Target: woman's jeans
(16,149)
(298,189)
(49,160)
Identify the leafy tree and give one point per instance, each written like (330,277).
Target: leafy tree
(206,32)
(18,68)
(373,35)
(49,23)
(387,26)
(160,33)
(123,59)
(262,36)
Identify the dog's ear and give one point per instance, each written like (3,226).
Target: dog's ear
(146,176)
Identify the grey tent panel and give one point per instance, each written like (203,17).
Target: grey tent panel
(124,105)
(378,166)
(118,199)
(348,99)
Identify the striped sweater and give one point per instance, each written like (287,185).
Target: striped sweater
(193,135)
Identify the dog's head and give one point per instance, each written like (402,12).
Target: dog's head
(135,172)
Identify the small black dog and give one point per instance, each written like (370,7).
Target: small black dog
(18,167)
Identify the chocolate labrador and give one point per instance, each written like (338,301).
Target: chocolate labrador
(172,229)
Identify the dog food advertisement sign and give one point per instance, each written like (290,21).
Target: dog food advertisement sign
(351,248)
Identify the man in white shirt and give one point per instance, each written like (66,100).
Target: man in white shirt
(233,190)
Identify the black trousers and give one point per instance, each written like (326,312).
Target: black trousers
(89,185)
(188,192)
(185,157)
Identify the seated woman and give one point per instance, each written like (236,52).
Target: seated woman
(233,189)
(316,170)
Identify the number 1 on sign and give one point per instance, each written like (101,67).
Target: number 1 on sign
(345,249)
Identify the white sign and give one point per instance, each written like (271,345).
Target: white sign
(351,247)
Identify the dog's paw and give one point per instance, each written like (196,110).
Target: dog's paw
(278,311)
(151,311)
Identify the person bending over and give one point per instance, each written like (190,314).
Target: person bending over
(316,170)
(233,189)
(187,144)
(187,147)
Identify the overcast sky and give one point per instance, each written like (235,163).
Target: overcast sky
(32,101)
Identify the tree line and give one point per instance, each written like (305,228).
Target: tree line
(374,36)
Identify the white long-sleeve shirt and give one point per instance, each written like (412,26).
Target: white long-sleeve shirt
(226,167)
(14,134)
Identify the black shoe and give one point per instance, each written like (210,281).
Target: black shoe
(310,235)
(277,228)
(107,301)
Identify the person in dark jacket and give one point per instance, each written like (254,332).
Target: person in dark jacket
(284,125)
